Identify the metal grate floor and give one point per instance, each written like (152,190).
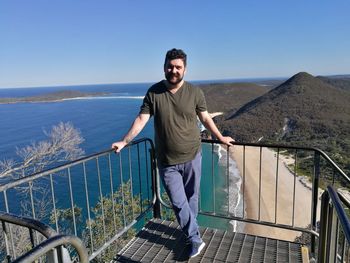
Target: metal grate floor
(163,241)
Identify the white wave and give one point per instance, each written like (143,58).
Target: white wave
(106,98)
(235,200)
(218,149)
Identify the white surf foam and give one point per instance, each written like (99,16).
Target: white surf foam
(235,200)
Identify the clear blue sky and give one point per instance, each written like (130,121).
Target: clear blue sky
(65,42)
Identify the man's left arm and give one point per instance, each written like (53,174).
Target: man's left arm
(208,123)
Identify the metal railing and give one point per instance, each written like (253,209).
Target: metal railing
(334,228)
(257,167)
(99,198)
(49,244)
(46,249)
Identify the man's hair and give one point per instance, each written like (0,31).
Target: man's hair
(174,54)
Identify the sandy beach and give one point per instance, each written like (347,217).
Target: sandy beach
(275,195)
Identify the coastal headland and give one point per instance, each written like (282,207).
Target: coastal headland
(52,97)
(303,110)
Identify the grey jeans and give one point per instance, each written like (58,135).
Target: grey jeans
(182,182)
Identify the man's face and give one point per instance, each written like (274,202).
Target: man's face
(174,71)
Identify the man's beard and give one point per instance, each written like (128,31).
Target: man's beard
(169,77)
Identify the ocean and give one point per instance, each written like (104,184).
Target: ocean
(101,121)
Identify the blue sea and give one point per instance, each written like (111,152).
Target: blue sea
(101,121)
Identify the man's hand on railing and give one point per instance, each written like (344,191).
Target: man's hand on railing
(227,140)
(134,130)
(118,146)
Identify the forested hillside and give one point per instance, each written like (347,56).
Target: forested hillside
(304,110)
(229,97)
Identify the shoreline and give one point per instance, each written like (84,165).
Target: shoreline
(58,96)
(252,179)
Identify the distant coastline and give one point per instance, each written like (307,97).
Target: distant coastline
(52,97)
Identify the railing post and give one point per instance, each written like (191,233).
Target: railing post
(155,186)
(322,245)
(8,254)
(333,236)
(315,185)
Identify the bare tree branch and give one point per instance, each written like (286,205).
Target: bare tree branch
(62,144)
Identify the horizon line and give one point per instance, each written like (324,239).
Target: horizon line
(150,82)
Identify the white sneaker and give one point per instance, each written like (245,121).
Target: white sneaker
(196,249)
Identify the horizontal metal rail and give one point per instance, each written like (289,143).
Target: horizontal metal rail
(33,226)
(31,223)
(53,239)
(262,222)
(283,146)
(47,172)
(46,246)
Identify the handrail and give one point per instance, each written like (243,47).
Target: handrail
(52,243)
(315,149)
(344,221)
(53,239)
(31,223)
(333,212)
(64,166)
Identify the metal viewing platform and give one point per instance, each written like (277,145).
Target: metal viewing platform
(108,207)
(163,241)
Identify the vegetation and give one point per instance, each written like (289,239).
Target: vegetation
(342,82)
(304,111)
(229,97)
(62,144)
(111,216)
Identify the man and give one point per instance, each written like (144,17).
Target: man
(175,105)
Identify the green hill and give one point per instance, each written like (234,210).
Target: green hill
(229,97)
(337,81)
(301,108)
(304,110)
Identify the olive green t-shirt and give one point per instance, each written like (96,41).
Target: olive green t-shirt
(177,136)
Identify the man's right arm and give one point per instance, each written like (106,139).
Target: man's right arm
(137,126)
